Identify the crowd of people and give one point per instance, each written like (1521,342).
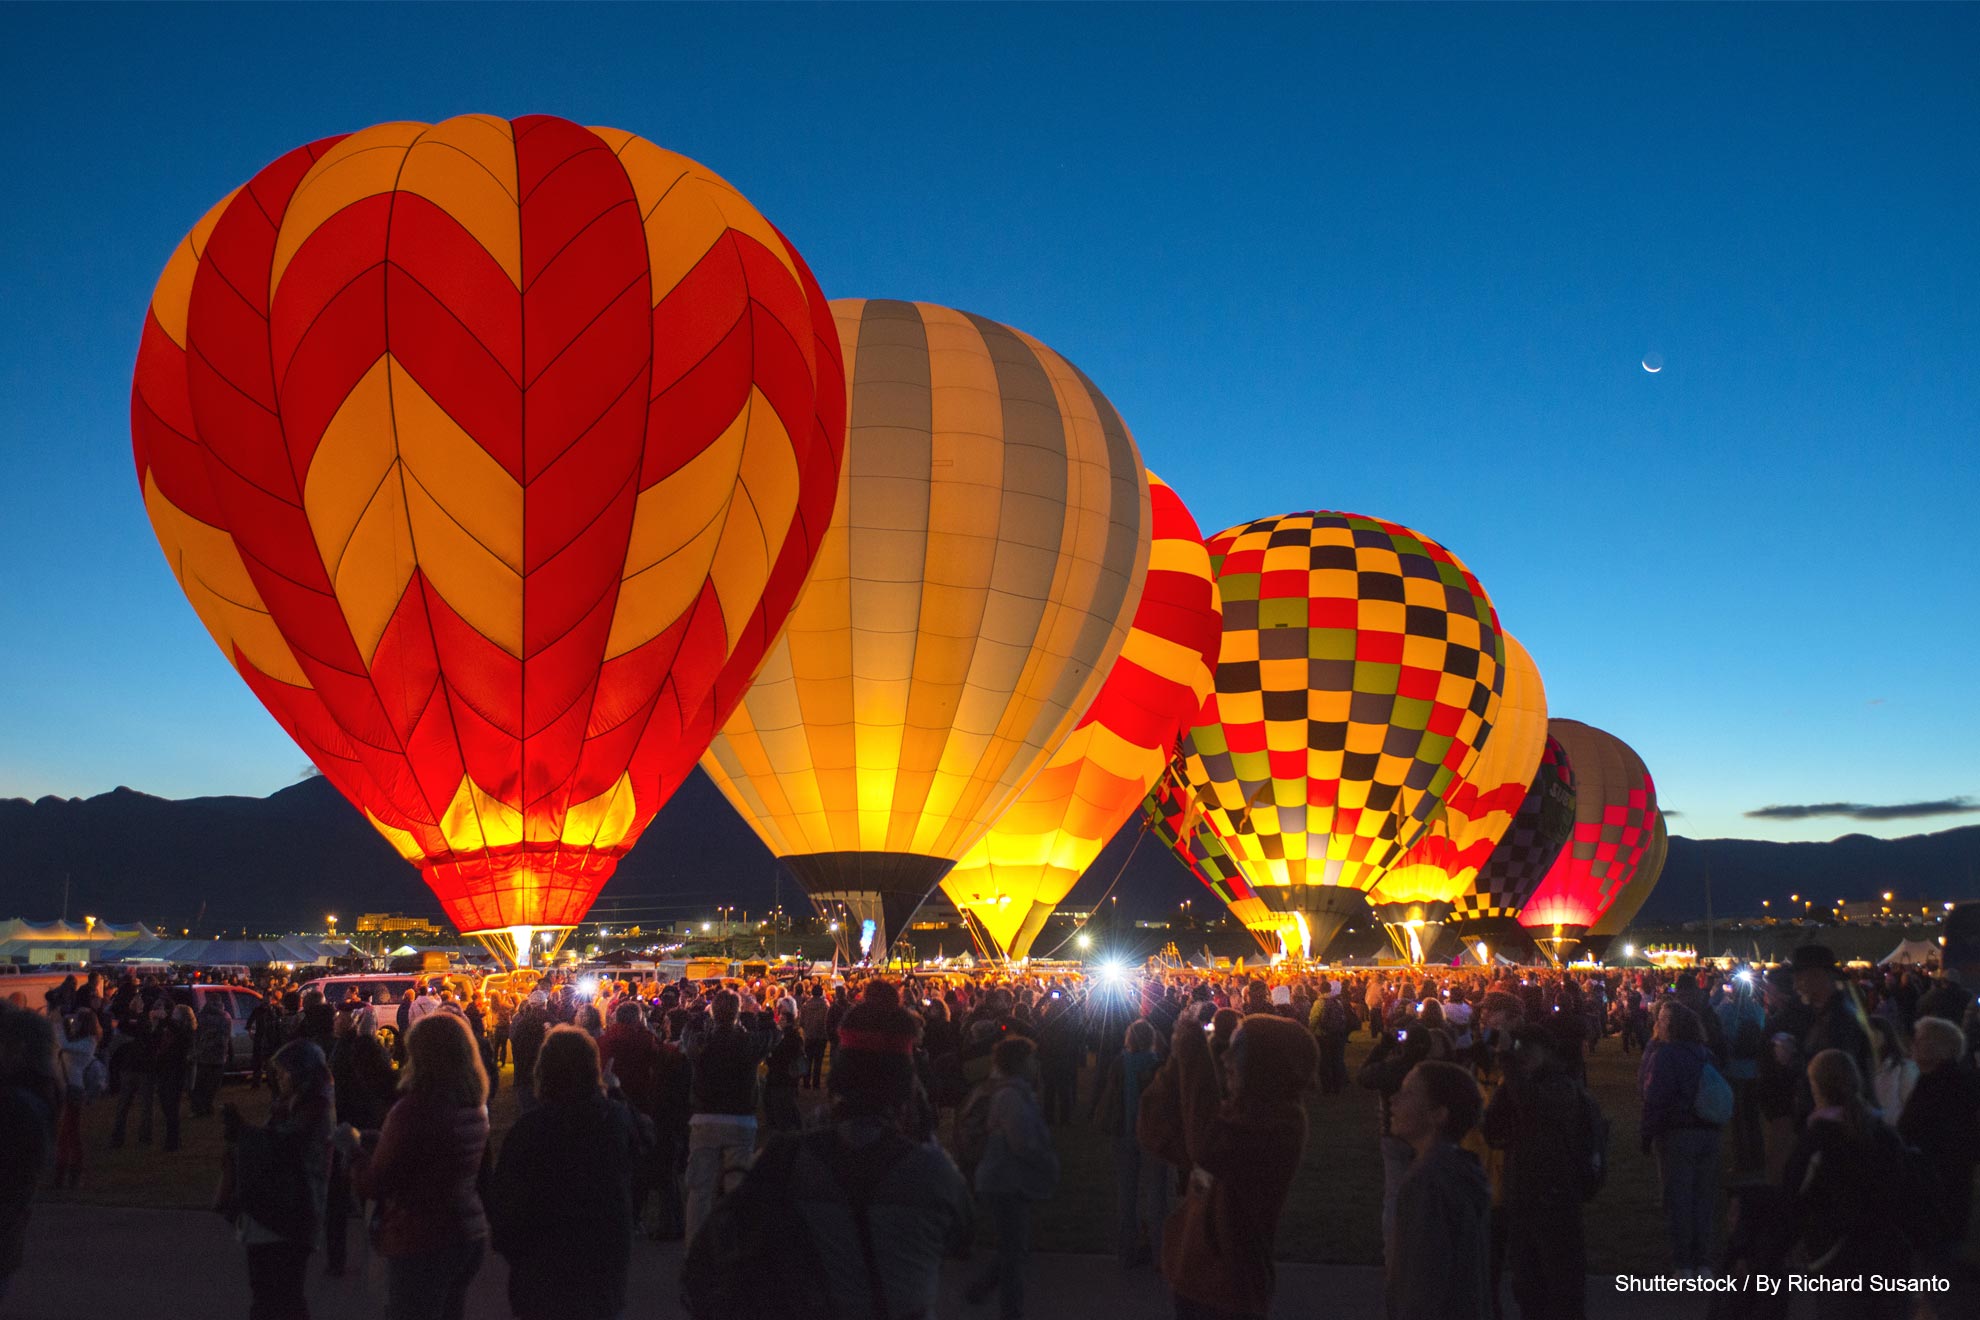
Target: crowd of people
(823,1145)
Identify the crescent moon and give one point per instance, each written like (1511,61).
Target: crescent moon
(1652,370)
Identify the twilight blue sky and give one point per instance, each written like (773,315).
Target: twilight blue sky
(1402,261)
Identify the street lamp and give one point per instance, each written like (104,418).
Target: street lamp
(1085,941)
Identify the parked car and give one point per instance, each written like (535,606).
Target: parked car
(383,990)
(238,1001)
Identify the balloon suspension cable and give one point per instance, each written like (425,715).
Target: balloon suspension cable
(499,948)
(1101,901)
(979,937)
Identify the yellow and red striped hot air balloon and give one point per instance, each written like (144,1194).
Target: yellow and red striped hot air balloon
(1416,893)
(493,454)
(1031,858)
(990,541)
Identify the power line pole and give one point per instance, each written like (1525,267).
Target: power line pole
(1708,909)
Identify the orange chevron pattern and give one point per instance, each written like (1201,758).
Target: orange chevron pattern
(1037,850)
(493,454)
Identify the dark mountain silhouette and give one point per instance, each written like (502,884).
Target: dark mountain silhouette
(211,865)
(1940,866)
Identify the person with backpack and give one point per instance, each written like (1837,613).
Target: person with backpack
(277,1180)
(1555,1143)
(722,1128)
(852,1220)
(1744,1024)
(213,1041)
(1331,1023)
(1681,1125)
(1019,1166)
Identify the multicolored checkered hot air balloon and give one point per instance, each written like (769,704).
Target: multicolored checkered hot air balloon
(1031,858)
(1360,673)
(493,454)
(1187,833)
(1415,896)
(1615,822)
(1616,920)
(1489,907)
(976,585)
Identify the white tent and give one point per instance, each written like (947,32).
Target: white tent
(1912,951)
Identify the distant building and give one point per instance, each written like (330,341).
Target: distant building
(936,913)
(396,923)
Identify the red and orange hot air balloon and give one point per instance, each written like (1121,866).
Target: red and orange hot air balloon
(493,454)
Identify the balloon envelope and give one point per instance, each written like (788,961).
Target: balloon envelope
(492,453)
(1615,819)
(1526,851)
(1188,834)
(1360,671)
(1623,911)
(1466,828)
(989,544)
(1036,851)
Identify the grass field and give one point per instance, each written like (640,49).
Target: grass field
(1333,1215)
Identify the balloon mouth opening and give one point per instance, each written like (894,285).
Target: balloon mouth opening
(503,889)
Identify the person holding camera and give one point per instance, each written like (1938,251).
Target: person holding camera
(276,1179)
(1538,1117)
(1419,1037)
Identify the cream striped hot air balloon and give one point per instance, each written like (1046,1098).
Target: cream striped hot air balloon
(975,586)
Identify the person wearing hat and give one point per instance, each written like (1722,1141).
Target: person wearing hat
(1835,1023)
(1536,1116)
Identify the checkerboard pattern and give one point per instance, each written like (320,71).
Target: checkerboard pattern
(1637,892)
(1615,819)
(1527,850)
(1360,672)
(1200,850)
